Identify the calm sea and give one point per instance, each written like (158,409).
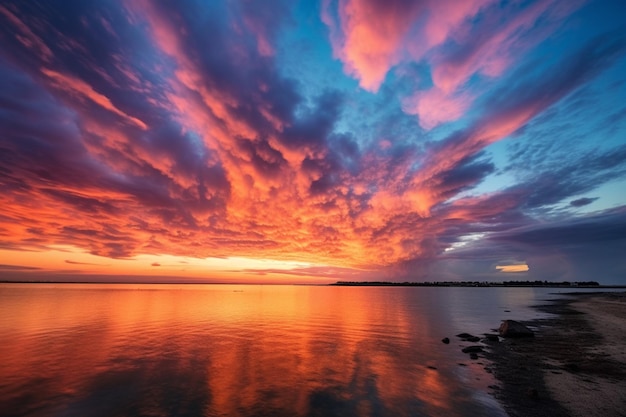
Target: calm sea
(238,350)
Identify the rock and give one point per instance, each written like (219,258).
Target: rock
(491,337)
(512,328)
(472,349)
(532,393)
(445,340)
(468,337)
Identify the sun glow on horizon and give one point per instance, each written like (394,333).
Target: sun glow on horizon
(65,259)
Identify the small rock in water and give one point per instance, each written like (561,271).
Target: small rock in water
(472,349)
(512,328)
(468,337)
(491,337)
(445,340)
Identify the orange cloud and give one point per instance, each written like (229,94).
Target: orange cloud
(80,88)
(512,268)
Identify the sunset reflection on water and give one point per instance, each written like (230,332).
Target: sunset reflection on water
(123,350)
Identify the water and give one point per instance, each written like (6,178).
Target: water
(224,350)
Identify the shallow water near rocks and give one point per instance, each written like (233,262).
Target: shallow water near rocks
(246,350)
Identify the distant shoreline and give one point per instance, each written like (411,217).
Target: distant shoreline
(473,284)
(518,284)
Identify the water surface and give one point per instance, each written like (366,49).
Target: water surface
(224,350)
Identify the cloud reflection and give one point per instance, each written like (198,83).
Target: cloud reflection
(228,350)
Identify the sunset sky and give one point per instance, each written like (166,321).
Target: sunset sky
(313,141)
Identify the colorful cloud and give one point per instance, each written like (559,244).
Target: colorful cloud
(233,134)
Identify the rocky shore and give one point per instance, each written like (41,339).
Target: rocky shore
(575,365)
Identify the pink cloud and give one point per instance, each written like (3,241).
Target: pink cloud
(80,88)
(434,106)
(489,50)
(261,22)
(491,47)
(370,36)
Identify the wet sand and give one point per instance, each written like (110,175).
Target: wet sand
(574,366)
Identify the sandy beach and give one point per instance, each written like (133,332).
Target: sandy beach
(574,366)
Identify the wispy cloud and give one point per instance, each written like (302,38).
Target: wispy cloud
(17,268)
(69,261)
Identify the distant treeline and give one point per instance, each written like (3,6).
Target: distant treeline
(470,284)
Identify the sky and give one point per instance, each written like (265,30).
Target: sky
(313,141)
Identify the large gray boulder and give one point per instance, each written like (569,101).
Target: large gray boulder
(512,328)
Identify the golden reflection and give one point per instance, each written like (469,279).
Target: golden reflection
(225,350)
